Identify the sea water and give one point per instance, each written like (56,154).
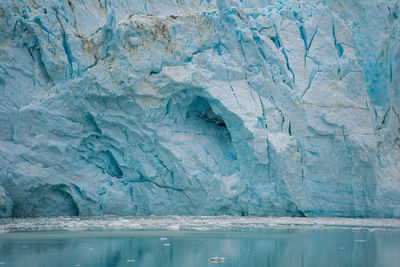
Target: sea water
(199,241)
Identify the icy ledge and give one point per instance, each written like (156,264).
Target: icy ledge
(197,223)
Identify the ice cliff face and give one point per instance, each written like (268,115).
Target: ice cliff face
(200,107)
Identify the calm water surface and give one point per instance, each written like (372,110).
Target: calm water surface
(278,247)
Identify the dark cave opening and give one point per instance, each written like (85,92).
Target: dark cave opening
(211,130)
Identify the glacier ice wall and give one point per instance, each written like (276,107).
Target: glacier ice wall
(200,107)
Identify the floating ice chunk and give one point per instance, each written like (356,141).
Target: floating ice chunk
(166,245)
(130,260)
(217,259)
(91,249)
(163,238)
(360,241)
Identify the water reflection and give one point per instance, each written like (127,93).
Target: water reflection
(273,248)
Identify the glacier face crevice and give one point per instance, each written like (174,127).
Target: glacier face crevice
(200,107)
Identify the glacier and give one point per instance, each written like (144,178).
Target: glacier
(226,107)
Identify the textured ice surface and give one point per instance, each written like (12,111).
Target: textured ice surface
(200,107)
(192,223)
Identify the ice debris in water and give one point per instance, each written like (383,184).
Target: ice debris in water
(217,259)
(197,223)
(174,227)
